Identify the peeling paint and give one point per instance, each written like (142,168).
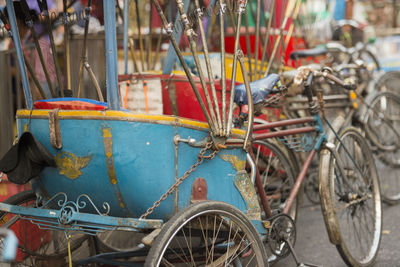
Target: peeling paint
(234,160)
(246,188)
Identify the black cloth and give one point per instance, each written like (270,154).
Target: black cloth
(26,159)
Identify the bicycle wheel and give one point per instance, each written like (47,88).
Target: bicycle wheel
(109,241)
(277,175)
(370,59)
(311,186)
(388,82)
(36,246)
(208,233)
(351,205)
(382,123)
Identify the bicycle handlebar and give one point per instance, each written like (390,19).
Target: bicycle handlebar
(335,79)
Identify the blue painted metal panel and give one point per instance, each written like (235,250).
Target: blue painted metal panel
(111,55)
(144,163)
(107,221)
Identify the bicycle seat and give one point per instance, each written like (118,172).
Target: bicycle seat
(312,52)
(259,89)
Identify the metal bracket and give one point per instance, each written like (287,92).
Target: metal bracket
(199,190)
(54,128)
(190,141)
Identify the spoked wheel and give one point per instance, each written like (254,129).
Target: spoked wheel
(208,233)
(311,186)
(383,123)
(36,246)
(389,82)
(277,175)
(352,204)
(109,241)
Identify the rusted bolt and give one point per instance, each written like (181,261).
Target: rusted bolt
(220,146)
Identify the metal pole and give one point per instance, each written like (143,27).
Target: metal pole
(208,65)
(181,59)
(126,27)
(289,12)
(84,48)
(250,120)
(223,74)
(43,5)
(248,45)
(241,9)
(257,38)
(66,45)
(267,34)
(111,55)
(171,55)
(149,37)
(25,10)
(189,32)
(20,55)
(140,35)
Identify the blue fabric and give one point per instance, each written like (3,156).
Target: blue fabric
(260,89)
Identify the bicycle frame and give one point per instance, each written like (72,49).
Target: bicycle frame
(317,128)
(320,140)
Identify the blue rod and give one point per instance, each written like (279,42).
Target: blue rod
(111,55)
(20,54)
(126,28)
(171,55)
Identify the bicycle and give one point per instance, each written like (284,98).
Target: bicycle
(341,185)
(370,110)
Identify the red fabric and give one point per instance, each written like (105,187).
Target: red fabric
(68,105)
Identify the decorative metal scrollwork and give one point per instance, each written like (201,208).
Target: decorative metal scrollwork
(69,208)
(66,214)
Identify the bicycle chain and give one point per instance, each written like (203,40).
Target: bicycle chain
(200,159)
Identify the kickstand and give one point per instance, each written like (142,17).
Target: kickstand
(298,263)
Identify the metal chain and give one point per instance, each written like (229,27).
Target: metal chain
(200,159)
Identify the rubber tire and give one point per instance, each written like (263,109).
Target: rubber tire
(29,196)
(174,225)
(372,56)
(382,155)
(368,130)
(392,77)
(326,189)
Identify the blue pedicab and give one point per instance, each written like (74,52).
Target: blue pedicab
(180,183)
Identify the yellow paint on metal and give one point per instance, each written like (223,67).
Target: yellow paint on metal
(355,105)
(70,165)
(246,188)
(109,160)
(236,163)
(26,129)
(120,115)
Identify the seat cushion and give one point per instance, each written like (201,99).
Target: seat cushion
(70,103)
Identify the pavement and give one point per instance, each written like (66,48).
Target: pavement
(313,246)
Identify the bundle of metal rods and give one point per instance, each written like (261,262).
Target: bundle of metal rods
(220,124)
